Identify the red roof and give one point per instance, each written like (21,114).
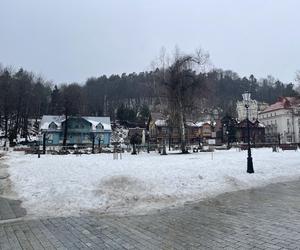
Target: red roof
(283,103)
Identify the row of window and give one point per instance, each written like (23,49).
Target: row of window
(267,115)
(287,122)
(83,137)
(271,122)
(75,126)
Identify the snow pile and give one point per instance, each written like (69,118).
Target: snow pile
(56,185)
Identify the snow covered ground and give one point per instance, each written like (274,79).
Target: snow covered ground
(70,185)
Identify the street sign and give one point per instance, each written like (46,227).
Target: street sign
(211,141)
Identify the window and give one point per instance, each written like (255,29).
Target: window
(288,122)
(99,126)
(52,125)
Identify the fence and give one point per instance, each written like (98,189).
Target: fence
(283,146)
(87,149)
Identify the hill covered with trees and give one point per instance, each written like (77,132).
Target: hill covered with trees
(128,96)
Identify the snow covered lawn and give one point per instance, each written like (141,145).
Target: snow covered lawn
(70,185)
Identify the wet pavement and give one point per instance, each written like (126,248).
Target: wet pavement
(9,208)
(263,218)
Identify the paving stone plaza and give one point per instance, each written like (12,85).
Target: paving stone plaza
(263,218)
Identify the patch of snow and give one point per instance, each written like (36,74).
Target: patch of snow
(161,123)
(200,124)
(191,124)
(61,185)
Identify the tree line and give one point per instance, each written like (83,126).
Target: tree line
(126,97)
(23,96)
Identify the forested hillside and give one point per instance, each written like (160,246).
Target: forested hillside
(24,95)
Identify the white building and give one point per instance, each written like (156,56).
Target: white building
(282,120)
(241,110)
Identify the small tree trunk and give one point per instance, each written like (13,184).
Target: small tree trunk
(65,132)
(133,149)
(170,135)
(164,152)
(6,127)
(93,144)
(44,143)
(182,128)
(25,128)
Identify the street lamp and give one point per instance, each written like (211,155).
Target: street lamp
(246,98)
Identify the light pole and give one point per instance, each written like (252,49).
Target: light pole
(228,142)
(246,98)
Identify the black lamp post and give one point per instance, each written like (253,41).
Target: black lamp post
(246,98)
(228,142)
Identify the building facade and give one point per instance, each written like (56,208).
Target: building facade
(81,130)
(160,131)
(206,130)
(257,132)
(282,120)
(229,130)
(242,112)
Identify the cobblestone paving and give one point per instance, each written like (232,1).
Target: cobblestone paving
(265,218)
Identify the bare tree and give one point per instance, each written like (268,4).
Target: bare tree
(72,102)
(5,102)
(297,79)
(180,83)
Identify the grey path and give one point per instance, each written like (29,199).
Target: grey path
(9,208)
(265,218)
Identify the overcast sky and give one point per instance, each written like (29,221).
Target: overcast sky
(71,40)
